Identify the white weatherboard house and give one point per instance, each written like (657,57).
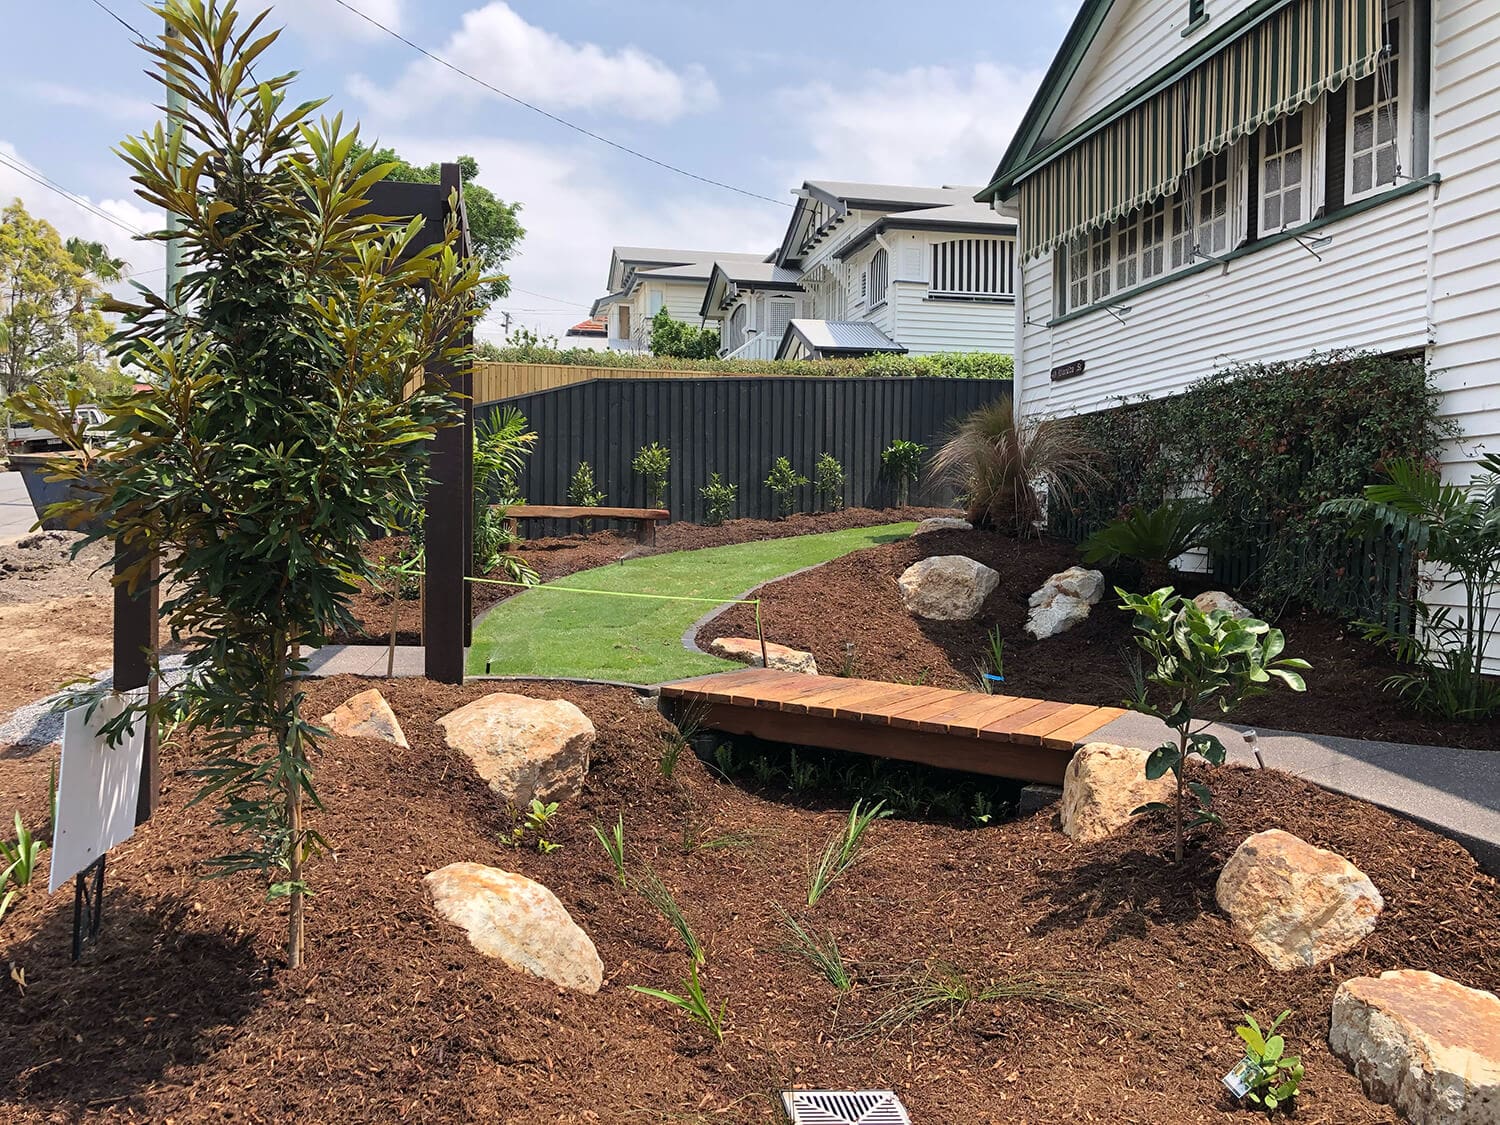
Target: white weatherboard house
(872,267)
(645,279)
(1201,183)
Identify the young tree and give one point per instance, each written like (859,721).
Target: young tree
(286,418)
(676,338)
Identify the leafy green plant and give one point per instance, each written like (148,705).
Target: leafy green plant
(719,500)
(1198,662)
(938,986)
(649,883)
(1152,537)
(654,462)
(1007,469)
(687,722)
(820,951)
(901,464)
(783,483)
(20,858)
(679,340)
(693,1001)
(828,482)
(1271,1076)
(501,445)
(1457,527)
(992,673)
(291,387)
(536,822)
(526,347)
(614,847)
(584,493)
(843,849)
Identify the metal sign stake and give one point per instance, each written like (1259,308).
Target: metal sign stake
(88,905)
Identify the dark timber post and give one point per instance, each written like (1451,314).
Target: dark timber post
(134,653)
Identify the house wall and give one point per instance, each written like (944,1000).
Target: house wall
(683,299)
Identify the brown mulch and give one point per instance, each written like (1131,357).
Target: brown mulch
(559,556)
(855,600)
(184,1011)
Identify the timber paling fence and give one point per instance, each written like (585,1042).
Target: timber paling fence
(735,426)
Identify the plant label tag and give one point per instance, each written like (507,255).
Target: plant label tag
(96,786)
(1242,1078)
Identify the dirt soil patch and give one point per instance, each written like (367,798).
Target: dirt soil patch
(563,555)
(855,600)
(184,1012)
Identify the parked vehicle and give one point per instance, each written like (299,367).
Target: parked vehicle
(23,438)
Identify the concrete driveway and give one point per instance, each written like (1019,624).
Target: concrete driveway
(16,515)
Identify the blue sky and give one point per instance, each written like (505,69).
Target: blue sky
(761,96)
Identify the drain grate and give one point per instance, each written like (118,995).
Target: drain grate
(844,1107)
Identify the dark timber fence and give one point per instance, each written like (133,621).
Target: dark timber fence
(737,427)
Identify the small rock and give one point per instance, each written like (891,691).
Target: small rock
(1427,1045)
(366,715)
(1210,600)
(523,747)
(1103,786)
(519,921)
(747,651)
(946,587)
(1036,797)
(1295,904)
(1063,601)
(941,523)
(649,701)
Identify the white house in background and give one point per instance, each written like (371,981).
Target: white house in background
(645,279)
(1206,182)
(928,268)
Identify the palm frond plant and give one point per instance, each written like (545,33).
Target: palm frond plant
(1456,527)
(501,445)
(1007,469)
(1152,537)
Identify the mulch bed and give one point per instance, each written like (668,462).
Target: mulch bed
(184,1012)
(855,600)
(559,556)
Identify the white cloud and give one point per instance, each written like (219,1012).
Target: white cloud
(139,112)
(928,125)
(325,22)
(496,44)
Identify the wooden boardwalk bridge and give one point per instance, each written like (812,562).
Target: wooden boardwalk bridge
(1000,735)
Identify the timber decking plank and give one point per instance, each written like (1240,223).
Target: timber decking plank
(717,683)
(773,694)
(876,706)
(803,702)
(859,698)
(918,697)
(1034,734)
(966,716)
(1078,730)
(910,717)
(1004,730)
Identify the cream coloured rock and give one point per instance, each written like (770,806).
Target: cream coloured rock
(366,715)
(946,587)
(1210,600)
(1064,600)
(1427,1045)
(1103,785)
(523,747)
(747,651)
(1295,904)
(519,921)
(941,523)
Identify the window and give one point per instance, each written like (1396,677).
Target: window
(1212,209)
(1182,226)
(1286,167)
(974,267)
(1196,10)
(1377,113)
(1099,272)
(880,274)
(864,284)
(1140,245)
(778,316)
(1090,277)
(654,300)
(1078,272)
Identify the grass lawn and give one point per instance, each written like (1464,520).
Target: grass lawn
(545,633)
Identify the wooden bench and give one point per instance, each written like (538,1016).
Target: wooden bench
(1000,735)
(645,519)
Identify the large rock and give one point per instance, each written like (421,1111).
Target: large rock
(1210,600)
(523,747)
(366,715)
(1103,786)
(521,922)
(941,523)
(946,587)
(1295,904)
(1422,1043)
(1063,601)
(747,651)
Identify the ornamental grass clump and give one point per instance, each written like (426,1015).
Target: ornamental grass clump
(285,414)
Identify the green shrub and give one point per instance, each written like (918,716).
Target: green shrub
(671,337)
(901,463)
(783,483)
(828,482)
(584,493)
(654,462)
(1153,536)
(1271,1076)
(719,500)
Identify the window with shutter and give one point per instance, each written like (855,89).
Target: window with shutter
(974,267)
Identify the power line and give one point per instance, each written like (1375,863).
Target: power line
(552,116)
(77,201)
(112,14)
(543,296)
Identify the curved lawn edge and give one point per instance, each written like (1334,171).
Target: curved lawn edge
(690,638)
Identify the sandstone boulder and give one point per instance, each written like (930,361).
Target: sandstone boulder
(519,921)
(747,651)
(946,587)
(1210,600)
(366,715)
(523,747)
(1064,600)
(1103,785)
(1427,1045)
(942,523)
(1295,904)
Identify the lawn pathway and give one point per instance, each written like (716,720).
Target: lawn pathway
(543,632)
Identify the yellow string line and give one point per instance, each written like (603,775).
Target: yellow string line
(615,593)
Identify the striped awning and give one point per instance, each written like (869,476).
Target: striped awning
(1292,57)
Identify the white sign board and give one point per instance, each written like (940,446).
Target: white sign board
(96,787)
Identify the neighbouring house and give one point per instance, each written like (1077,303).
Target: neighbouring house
(643,280)
(1201,183)
(891,268)
(595,328)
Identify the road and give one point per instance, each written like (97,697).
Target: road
(16,516)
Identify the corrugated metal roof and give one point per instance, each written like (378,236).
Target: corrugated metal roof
(896,195)
(841,336)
